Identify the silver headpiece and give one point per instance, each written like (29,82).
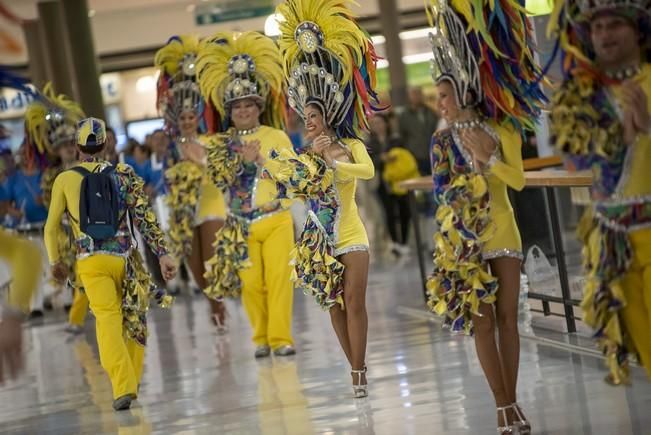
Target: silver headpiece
(317,74)
(453,59)
(178,88)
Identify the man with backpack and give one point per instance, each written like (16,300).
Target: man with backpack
(103,202)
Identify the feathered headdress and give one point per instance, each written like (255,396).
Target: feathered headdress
(485,49)
(178,90)
(235,66)
(328,59)
(569,26)
(50,120)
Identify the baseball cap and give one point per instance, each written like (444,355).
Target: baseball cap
(91,132)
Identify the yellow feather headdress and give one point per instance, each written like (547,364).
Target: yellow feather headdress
(50,120)
(178,90)
(329,60)
(235,66)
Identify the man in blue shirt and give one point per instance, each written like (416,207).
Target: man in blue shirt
(26,211)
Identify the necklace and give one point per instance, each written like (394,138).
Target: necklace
(473,123)
(248,130)
(186,139)
(476,123)
(623,73)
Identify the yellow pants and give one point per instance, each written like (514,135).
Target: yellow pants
(79,309)
(267,292)
(636,285)
(122,358)
(25,274)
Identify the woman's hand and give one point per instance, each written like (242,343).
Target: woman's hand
(321,144)
(250,151)
(479,143)
(193,152)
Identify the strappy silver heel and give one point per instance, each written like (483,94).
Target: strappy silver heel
(506,429)
(359,391)
(523,425)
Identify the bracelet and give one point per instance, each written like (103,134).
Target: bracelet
(491,162)
(333,166)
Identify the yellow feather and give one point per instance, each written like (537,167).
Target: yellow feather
(212,67)
(342,36)
(37,125)
(169,58)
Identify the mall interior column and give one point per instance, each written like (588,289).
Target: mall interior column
(390,22)
(82,48)
(56,44)
(37,54)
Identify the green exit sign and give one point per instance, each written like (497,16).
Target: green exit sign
(232,10)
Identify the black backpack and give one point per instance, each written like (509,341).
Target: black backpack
(99,209)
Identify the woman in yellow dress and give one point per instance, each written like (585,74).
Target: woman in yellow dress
(197,208)
(330,64)
(488,99)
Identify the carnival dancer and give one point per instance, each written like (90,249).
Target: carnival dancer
(197,208)
(486,80)
(601,120)
(330,67)
(241,75)
(100,200)
(65,153)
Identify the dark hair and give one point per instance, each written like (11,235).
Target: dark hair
(386,116)
(92,149)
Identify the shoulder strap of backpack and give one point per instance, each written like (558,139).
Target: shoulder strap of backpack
(107,170)
(80,170)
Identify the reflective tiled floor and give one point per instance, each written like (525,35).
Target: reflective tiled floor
(422,380)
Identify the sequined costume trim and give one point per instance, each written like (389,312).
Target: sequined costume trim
(349,249)
(203,220)
(500,253)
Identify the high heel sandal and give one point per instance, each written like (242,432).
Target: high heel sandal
(508,429)
(523,425)
(359,391)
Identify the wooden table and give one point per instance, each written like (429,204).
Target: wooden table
(548,180)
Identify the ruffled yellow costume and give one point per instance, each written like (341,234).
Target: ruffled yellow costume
(586,125)
(252,249)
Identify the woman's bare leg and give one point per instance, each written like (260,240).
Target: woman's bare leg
(338,320)
(507,271)
(355,281)
(489,358)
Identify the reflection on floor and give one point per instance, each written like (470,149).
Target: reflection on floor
(422,380)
